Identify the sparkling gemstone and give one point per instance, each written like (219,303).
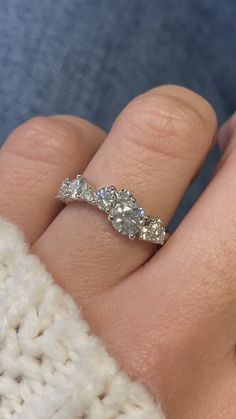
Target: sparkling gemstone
(89,195)
(106,198)
(63,191)
(125,195)
(153,231)
(144,233)
(77,187)
(127,219)
(160,235)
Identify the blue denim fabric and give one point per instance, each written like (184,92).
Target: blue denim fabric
(90,57)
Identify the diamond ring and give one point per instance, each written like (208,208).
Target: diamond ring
(122,209)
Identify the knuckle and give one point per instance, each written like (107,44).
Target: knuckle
(164,124)
(42,139)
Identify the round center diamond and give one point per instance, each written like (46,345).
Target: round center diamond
(126,218)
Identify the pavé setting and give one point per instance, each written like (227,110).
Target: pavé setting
(121,207)
(153,231)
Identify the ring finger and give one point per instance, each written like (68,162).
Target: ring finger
(154,149)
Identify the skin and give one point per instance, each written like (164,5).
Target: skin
(168,317)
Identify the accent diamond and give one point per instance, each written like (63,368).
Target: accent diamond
(106,198)
(153,231)
(63,191)
(77,187)
(89,196)
(126,195)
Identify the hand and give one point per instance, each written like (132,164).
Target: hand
(167,317)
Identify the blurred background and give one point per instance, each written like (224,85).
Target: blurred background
(90,57)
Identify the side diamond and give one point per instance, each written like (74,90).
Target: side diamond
(63,192)
(77,187)
(106,198)
(126,196)
(153,231)
(89,196)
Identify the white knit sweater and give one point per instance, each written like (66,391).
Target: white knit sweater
(50,364)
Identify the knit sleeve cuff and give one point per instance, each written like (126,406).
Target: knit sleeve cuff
(50,364)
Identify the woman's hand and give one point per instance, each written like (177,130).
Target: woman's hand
(167,317)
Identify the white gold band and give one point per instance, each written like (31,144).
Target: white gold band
(120,205)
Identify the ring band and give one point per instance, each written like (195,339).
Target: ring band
(123,211)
